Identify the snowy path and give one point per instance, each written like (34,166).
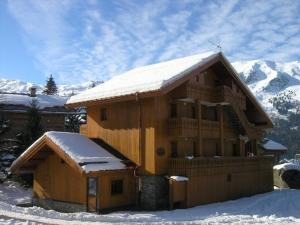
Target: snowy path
(278,207)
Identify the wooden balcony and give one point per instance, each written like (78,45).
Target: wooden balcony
(221,94)
(83,129)
(183,127)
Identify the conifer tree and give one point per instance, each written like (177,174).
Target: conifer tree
(50,87)
(33,129)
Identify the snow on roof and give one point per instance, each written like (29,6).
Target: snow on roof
(44,101)
(273,145)
(179,178)
(287,166)
(143,79)
(85,152)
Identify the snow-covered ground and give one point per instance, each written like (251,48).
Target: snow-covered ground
(281,206)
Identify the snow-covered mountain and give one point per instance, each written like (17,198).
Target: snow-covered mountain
(17,86)
(265,78)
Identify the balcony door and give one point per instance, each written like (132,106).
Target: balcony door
(92,194)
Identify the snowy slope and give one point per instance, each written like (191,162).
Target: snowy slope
(281,206)
(267,78)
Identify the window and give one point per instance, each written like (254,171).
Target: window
(174,151)
(116,187)
(197,79)
(194,148)
(92,186)
(209,113)
(193,112)
(103,113)
(173,110)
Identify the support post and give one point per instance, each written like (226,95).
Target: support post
(200,148)
(221,118)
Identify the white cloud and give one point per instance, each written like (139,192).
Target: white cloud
(98,43)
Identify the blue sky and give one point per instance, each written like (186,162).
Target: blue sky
(78,41)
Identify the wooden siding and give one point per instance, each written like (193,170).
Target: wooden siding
(214,180)
(54,179)
(107,199)
(129,128)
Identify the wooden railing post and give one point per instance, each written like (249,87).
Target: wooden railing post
(221,117)
(199,117)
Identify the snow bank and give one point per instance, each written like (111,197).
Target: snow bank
(281,206)
(143,79)
(44,101)
(287,166)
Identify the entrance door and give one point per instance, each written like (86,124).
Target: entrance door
(92,194)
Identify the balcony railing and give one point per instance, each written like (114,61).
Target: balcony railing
(183,127)
(212,166)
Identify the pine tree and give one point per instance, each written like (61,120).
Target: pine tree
(50,87)
(33,129)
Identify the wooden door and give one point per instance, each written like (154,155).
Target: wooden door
(92,194)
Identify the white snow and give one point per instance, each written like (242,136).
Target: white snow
(82,150)
(272,145)
(143,79)
(43,101)
(287,166)
(179,178)
(280,207)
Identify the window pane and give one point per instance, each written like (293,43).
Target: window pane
(92,183)
(116,187)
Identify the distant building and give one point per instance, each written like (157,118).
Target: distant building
(14,106)
(274,148)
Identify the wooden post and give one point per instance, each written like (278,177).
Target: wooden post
(170,194)
(200,149)
(221,117)
(242,147)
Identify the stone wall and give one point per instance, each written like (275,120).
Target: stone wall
(154,192)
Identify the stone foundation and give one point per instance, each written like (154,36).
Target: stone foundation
(59,206)
(154,192)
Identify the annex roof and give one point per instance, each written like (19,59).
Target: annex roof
(76,149)
(143,79)
(273,145)
(44,101)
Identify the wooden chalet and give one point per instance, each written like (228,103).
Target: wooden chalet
(190,126)
(270,147)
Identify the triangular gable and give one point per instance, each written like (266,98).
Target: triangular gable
(221,58)
(79,152)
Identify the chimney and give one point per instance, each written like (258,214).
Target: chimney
(32,90)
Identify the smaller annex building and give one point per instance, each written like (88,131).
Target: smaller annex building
(74,168)
(273,148)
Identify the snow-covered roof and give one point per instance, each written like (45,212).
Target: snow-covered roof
(179,178)
(44,101)
(83,151)
(143,79)
(273,145)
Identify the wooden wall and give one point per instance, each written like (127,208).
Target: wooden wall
(214,180)
(107,200)
(54,179)
(124,131)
